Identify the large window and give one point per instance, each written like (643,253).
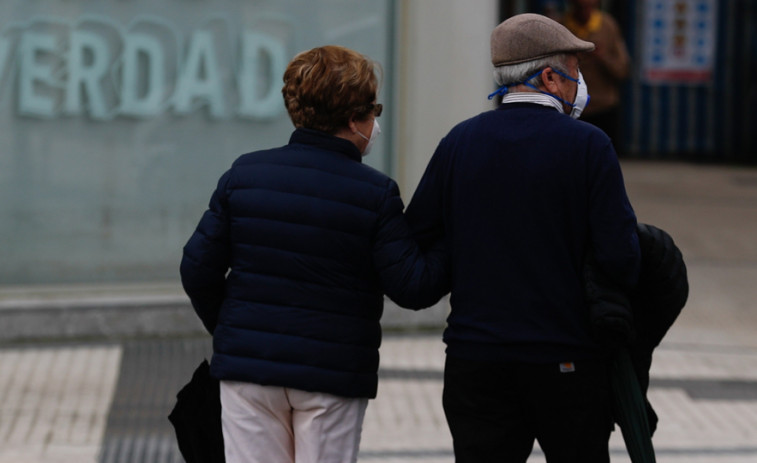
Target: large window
(119,116)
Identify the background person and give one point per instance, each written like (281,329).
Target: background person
(288,266)
(605,68)
(522,194)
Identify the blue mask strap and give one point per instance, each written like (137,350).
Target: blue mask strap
(503,89)
(554,96)
(500,91)
(547,93)
(565,75)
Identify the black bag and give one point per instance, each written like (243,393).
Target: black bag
(196,418)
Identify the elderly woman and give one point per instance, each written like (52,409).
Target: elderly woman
(288,267)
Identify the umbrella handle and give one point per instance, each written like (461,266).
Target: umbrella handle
(629,409)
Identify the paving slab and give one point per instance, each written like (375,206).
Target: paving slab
(54,402)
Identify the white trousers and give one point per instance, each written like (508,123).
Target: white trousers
(269,424)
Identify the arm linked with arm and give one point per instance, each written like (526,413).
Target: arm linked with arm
(411,277)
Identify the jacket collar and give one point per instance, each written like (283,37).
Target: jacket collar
(326,142)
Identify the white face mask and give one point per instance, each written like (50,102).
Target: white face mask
(582,98)
(374,134)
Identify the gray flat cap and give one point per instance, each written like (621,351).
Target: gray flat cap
(529,36)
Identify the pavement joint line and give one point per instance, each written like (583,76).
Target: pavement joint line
(659,451)
(695,388)
(702,347)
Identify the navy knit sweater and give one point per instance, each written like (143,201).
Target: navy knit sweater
(288,266)
(521,193)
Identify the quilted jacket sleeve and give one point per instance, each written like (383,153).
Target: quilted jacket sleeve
(206,259)
(411,278)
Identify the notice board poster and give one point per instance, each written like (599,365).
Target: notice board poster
(679,41)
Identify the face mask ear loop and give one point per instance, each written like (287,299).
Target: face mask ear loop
(504,89)
(560,73)
(547,93)
(500,91)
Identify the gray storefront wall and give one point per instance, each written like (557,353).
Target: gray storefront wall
(119,117)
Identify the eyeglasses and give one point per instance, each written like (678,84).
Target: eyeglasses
(376,108)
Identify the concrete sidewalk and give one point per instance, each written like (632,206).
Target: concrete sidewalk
(106,399)
(108,402)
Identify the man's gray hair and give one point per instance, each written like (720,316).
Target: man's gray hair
(518,73)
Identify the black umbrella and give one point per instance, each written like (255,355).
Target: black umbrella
(630,409)
(196,418)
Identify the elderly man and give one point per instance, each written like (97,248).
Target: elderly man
(522,194)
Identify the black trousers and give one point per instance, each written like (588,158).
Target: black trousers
(496,411)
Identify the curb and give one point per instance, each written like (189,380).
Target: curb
(101,318)
(160,315)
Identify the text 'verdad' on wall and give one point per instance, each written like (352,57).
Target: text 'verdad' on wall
(98,68)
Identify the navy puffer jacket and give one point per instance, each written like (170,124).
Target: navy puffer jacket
(288,267)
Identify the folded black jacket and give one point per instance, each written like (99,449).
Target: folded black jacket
(640,317)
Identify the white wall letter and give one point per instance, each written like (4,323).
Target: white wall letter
(149,104)
(200,78)
(265,104)
(4,48)
(32,72)
(87,77)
